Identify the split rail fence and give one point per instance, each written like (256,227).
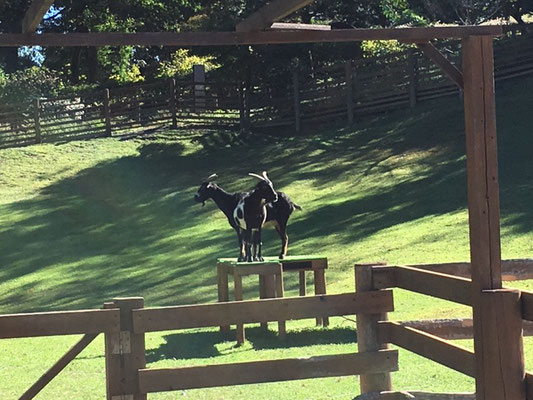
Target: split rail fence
(341,91)
(125,322)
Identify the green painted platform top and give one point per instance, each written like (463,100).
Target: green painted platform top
(286,260)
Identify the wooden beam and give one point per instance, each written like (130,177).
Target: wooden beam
(271,12)
(166,379)
(58,323)
(428,346)
(434,284)
(527,306)
(292,27)
(252,311)
(58,367)
(483,210)
(35,14)
(190,39)
(449,69)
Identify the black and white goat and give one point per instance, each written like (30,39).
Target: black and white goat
(278,212)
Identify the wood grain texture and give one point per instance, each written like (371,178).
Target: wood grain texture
(35,14)
(428,346)
(255,311)
(58,323)
(166,379)
(241,38)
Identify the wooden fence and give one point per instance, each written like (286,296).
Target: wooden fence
(125,322)
(323,94)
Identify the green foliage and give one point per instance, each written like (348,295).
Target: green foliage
(181,63)
(399,13)
(26,85)
(376,48)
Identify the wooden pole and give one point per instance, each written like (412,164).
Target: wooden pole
(173,103)
(125,353)
(37,120)
(367,334)
(483,210)
(412,66)
(296,94)
(107,113)
(349,90)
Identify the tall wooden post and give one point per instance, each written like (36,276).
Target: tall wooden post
(296,95)
(37,120)
(125,353)
(367,335)
(199,88)
(493,379)
(349,90)
(107,113)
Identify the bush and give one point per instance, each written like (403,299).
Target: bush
(26,85)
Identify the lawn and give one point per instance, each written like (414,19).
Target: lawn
(83,222)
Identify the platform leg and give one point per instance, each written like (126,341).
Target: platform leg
(237,279)
(320,288)
(262,295)
(302,283)
(223,291)
(282,327)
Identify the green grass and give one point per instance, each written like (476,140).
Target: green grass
(83,222)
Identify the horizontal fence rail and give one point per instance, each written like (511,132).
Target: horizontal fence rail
(428,346)
(158,380)
(443,286)
(252,311)
(59,323)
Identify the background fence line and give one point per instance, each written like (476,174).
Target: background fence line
(322,94)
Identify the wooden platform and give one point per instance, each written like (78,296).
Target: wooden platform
(316,263)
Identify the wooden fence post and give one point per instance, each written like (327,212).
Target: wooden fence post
(412,68)
(367,335)
(492,376)
(349,90)
(296,94)
(37,120)
(125,353)
(199,88)
(107,113)
(173,103)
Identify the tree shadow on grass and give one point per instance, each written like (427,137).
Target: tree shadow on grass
(190,345)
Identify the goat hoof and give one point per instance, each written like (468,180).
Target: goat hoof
(281,256)
(241,259)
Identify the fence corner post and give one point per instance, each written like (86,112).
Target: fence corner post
(173,103)
(413,76)
(37,120)
(349,90)
(367,333)
(125,353)
(296,94)
(107,113)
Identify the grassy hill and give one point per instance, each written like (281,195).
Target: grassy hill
(83,222)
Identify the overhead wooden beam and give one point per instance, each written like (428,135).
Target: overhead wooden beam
(287,26)
(449,69)
(271,12)
(35,14)
(190,39)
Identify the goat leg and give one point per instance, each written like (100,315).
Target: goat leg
(284,241)
(258,245)
(248,235)
(241,247)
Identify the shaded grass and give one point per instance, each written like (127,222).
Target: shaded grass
(83,222)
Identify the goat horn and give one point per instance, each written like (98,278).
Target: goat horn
(212,176)
(256,176)
(265,177)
